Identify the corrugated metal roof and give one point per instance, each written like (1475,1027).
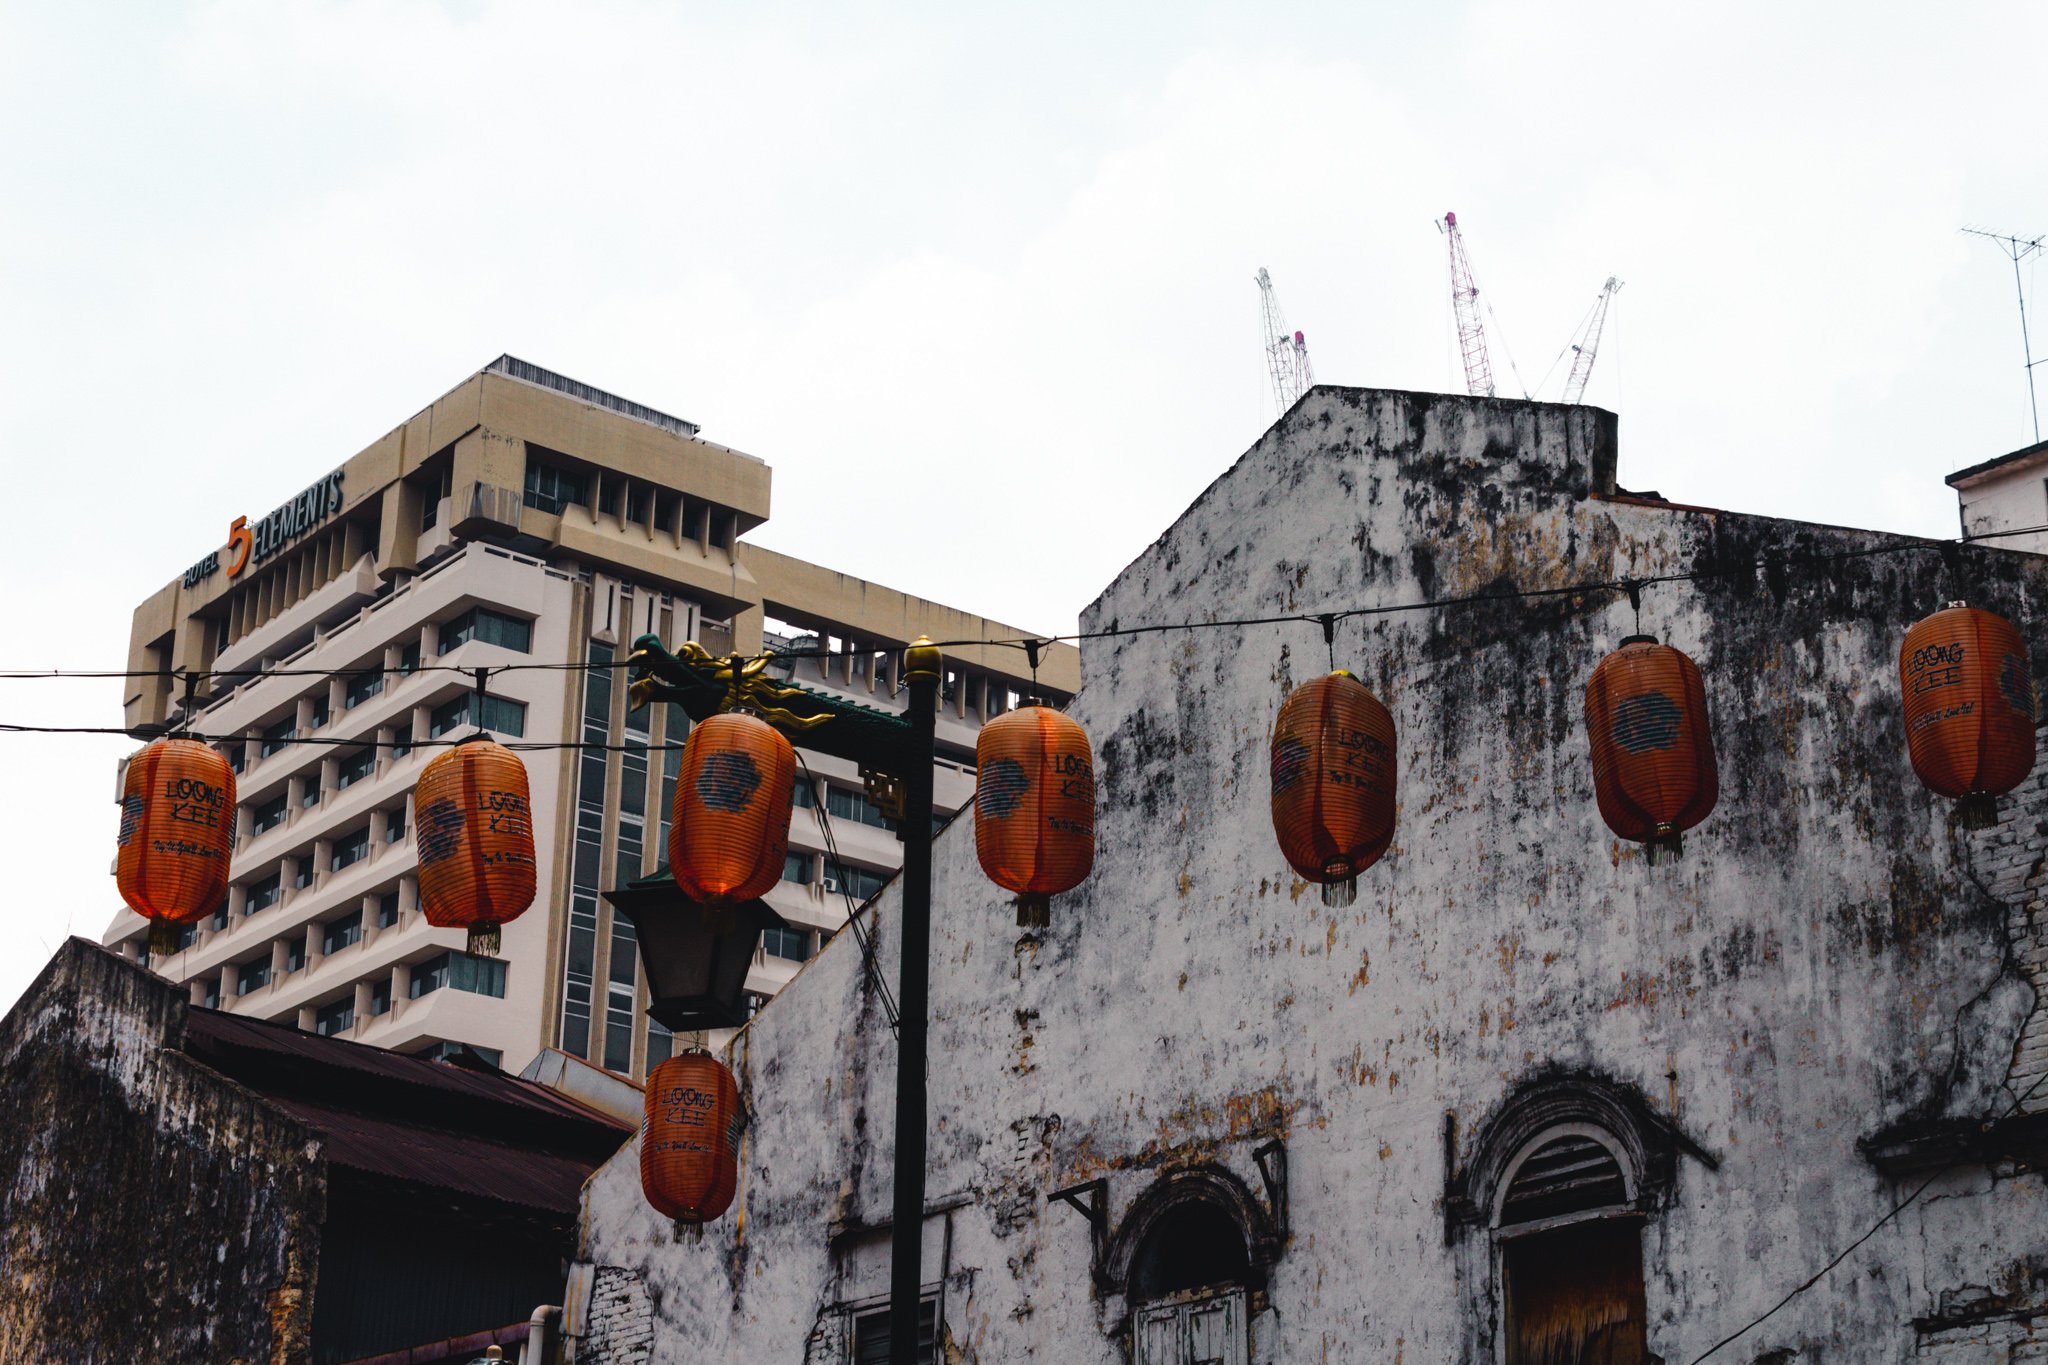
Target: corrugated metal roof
(470,1131)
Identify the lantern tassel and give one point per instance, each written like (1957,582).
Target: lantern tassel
(1666,845)
(163,938)
(484,939)
(1339,894)
(1978,810)
(1034,912)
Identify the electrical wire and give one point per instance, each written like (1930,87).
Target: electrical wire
(869,960)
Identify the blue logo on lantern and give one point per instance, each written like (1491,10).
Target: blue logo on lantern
(2012,680)
(1002,789)
(440,831)
(728,781)
(1646,722)
(1290,762)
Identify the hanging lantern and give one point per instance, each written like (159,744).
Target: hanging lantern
(1333,775)
(729,829)
(473,825)
(1969,708)
(690,1137)
(1653,754)
(1034,807)
(177,833)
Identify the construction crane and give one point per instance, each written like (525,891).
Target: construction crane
(1584,349)
(1286,352)
(1465,304)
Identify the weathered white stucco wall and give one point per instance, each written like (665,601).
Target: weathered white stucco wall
(1828,960)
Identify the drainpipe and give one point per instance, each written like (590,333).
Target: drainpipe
(543,1335)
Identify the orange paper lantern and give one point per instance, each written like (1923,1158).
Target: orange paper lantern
(1969,708)
(177,835)
(690,1137)
(1034,807)
(729,832)
(1333,782)
(1653,752)
(473,825)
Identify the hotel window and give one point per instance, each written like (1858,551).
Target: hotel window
(387,909)
(793,945)
(401,740)
(855,881)
(220,916)
(380,997)
(500,714)
(409,659)
(579,970)
(844,803)
(342,932)
(294,956)
(459,971)
(661,1044)
(338,1017)
(446,1051)
(491,627)
(550,488)
(796,867)
(394,824)
(632,795)
(278,734)
(232,752)
(363,686)
(209,994)
(666,507)
(269,815)
(351,848)
(188,934)
(302,873)
(318,717)
(675,730)
(637,497)
(263,894)
(253,974)
(803,796)
(309,793)
(356,767)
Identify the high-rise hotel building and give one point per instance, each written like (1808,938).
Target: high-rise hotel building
(522,519)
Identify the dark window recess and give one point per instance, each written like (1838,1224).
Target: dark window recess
(491,627)
(232,752)
(1196,1245)
(294,956)
(499,714)
(871,1335)
(409,659)
(459,971)
(363,686)
(394,824)
(209,995)
(356,767)
(319,716)
(550,488)
(276,735)
(309,795)
(803,795)
(338,1017)
(1576,1294)
(253,974)
(843,803)
(220,916)
(796,867)
(857,882)
(637,500)
(380,997)
(302,874)
(661,1044)
(263,894)
(401,741)
(269,815)
(791,944)
(441,1052)
(1566,1175)
(387,910)
(666,507)
(188,934)
(340,933)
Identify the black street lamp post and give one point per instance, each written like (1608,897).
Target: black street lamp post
(696,966)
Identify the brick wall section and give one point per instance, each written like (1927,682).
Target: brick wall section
(621,1322)
(2012,862)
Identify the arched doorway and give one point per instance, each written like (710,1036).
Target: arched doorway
(1571,1252)
(1187,1287)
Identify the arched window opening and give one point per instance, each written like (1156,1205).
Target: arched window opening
(1571,1253)
(1194,1246)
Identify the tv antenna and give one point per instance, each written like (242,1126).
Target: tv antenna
(2018,249)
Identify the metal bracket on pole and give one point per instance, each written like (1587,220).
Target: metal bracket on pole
(1272,1161)
(1090,1199)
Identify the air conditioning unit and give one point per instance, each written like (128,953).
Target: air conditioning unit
(831,886)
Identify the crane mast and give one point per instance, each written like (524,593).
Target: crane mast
(1465,305)
(1286,352)
(1584,351)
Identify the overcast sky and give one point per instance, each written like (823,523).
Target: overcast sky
(979,288)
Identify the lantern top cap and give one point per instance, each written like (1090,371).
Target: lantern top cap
(922,659)
(1343,673)
(1628,640)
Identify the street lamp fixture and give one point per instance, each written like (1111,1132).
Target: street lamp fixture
(696,955)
